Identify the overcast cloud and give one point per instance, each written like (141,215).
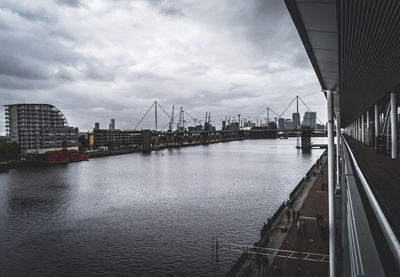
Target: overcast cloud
(103,59)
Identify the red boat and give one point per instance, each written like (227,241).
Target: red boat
(61,156)
(78,156)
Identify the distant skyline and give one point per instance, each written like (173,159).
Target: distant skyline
(111,59)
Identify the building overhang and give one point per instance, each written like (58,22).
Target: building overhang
(353,48)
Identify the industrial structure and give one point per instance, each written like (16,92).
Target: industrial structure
(353,48)
(39,128)
(112,138)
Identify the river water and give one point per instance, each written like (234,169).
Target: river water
(144,215)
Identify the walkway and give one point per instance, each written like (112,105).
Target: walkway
(315,202)
(309,200)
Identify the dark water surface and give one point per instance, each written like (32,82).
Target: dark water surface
(143,215)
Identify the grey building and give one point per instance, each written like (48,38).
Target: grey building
(115,139)
(288,124)
(310,119)
(38,128)
(296,120)
(281,123)
(111,126)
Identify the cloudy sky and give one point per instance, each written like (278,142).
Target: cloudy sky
(101,59)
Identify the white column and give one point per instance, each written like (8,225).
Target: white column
(331,187)
(338,134)
(356,122)
(393,120)
(362,129)
(376,124)
(367,129)
(356,128)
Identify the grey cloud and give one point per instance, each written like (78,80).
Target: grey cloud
(71,3)
(169,11)
(40,48)
(250,56)
(32,15)
(194,69)
(25,86)
(15,66)
(98,71)
(149,76)
(267,68)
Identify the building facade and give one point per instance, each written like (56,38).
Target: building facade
(281,123)
(114,138)
(310,119)
(38,128)
(296,120)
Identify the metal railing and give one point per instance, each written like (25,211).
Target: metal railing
(383,223)
(281,253)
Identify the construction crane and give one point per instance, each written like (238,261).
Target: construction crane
(171,122)
(181,122)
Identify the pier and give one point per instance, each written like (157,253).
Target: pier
(285,248)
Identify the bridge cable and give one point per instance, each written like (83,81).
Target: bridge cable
(191,116)
(265,110)
(309,109)
(168,122)
(145,115)
(274,112)
(164,110)
(287,107)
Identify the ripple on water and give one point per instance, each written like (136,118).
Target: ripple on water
(143,215)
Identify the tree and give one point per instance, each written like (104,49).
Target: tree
(9,151)
(83,142)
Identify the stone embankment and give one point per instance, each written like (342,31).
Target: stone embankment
(308,198)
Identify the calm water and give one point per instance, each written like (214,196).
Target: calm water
(143,215)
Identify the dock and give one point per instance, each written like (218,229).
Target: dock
(309,197)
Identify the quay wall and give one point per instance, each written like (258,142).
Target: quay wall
(272,222)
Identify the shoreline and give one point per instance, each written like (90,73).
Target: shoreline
(271,235)
(7,165)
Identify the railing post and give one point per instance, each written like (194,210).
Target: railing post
(376,124)
(393,121)
(331,186)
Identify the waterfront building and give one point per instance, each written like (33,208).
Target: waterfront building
(353,48)
(111,126)
(114,139)
(281,123)
(230,125)
(233,126)
(320,126)
(289,124)
(310,119)
(271,125)
(39,128)
(296,120)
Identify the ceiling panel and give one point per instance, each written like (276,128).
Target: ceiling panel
(359,40)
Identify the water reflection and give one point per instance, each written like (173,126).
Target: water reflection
(143,215)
